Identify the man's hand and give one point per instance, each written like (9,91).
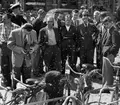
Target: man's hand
(23,51)
(32,50)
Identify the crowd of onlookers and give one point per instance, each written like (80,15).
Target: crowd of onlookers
(31,47)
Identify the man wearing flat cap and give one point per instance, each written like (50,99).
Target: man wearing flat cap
(23,43)
(17,18)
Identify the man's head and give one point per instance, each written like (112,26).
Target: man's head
(96,16)
(27,28)
(41,13)
(16,8)
(56,15)
(103,15)
(107,21)
(83,7)
(50,22)
(67,20)
(60,16)
(6,18)
(85,15)
(75,14)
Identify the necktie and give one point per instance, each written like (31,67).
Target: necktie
(25,40)
(76,23)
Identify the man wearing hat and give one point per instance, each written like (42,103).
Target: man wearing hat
(87,35)
(17,18)
(23,43)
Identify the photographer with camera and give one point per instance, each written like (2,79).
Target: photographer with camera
(23,43)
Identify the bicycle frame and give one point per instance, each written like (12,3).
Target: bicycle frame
(115,94)
(81,96)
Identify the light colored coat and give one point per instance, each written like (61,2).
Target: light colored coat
(16,44)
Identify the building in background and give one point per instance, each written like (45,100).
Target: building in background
(49,4)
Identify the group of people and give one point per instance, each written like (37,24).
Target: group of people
(29,48)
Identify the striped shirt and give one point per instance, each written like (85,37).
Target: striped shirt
(5,31)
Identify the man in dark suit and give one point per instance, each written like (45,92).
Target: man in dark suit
(87,36)
(23,43)
(110,47)
(49,41)
(17,18)
(75,18)
(38,22)
(68,43)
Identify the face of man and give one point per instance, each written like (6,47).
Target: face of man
(68,20)
(17,10)
(6,19)
(75,16)
(60,17)
(55,16)
(50,22)
(85,18)
(41,15)
(96,17)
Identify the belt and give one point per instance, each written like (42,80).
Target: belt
(65,38)
(51,45)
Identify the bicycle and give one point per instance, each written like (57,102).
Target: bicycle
(22,95)
(115,88)
(32,94)
(83,88)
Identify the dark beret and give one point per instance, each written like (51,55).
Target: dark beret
(27,26)
(14,6)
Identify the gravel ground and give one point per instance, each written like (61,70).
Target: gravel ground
(94,97)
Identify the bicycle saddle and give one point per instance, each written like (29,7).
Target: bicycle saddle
(32,81)
(88,66)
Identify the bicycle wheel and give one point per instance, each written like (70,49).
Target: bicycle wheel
(40,96)
(115,97)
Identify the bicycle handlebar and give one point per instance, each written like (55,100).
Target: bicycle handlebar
(114,66)
(95,70)
(26,85)
(74,71)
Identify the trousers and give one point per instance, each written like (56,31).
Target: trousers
(23,71)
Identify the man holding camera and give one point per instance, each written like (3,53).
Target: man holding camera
(23,43)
